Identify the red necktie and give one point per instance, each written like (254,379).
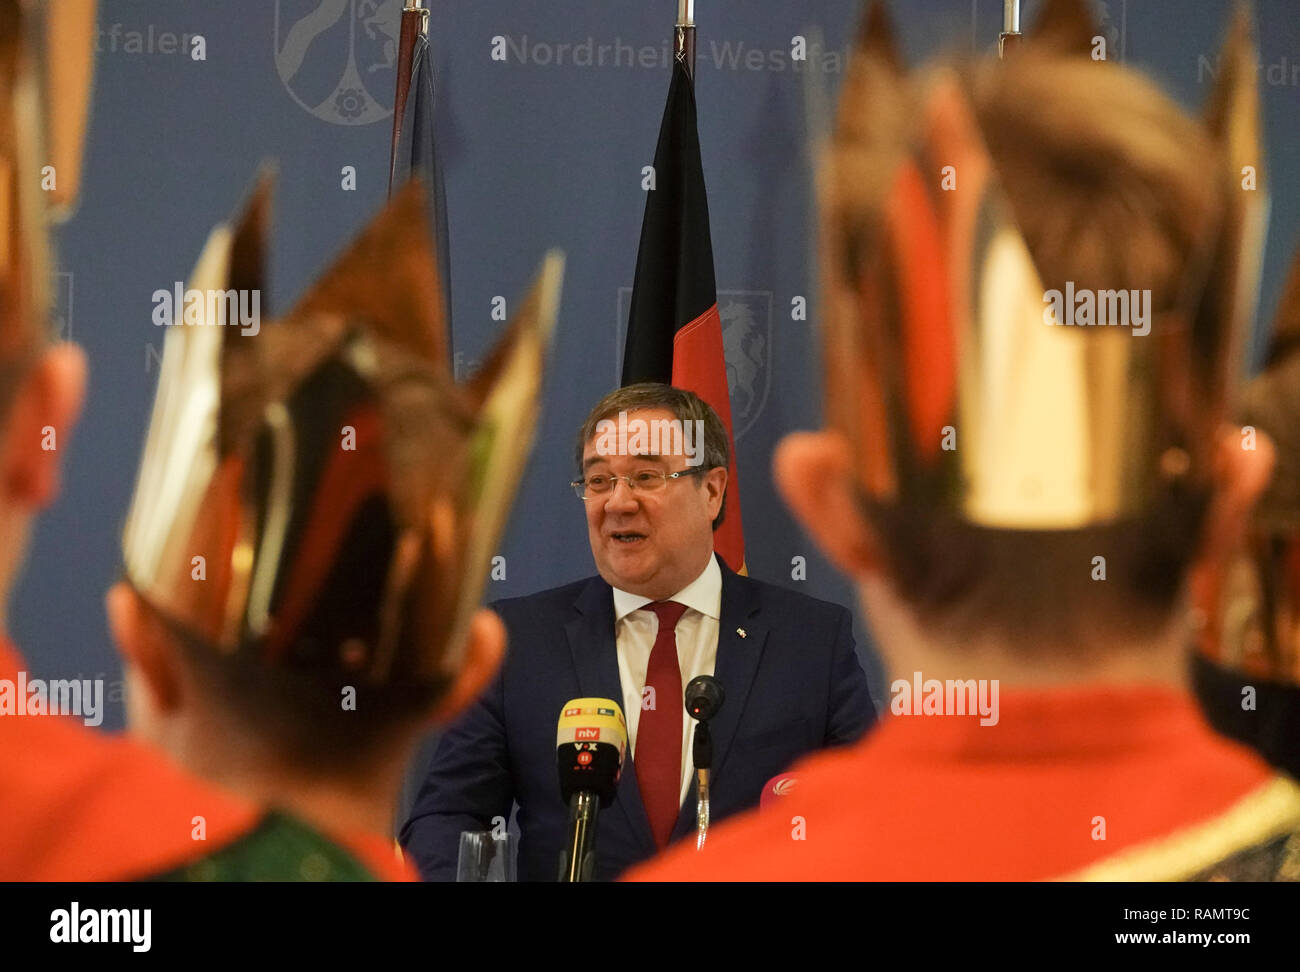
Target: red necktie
(658,754)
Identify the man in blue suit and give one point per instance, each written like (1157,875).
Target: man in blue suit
(652,466)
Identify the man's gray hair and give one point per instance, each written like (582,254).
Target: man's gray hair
(686,407)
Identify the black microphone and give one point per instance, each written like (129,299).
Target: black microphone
(590,741)
(704,697)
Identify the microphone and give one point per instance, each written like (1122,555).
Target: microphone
(776,788)
(590,740)
(703,698)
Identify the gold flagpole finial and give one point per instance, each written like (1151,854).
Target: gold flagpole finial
(684,35)
(1010,35)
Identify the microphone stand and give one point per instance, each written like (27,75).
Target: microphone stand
(702,751)
(703,698)
(578,860)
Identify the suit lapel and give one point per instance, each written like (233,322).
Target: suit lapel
(595,658)
(738,658)
(591,642)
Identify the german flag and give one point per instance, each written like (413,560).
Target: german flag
(674,334)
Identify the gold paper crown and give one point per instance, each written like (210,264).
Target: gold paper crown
(46,63)
(345,494)
(953,390)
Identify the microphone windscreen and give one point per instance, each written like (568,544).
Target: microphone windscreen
(590,741)
(776,788)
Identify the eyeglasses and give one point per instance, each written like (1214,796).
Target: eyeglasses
(643,481)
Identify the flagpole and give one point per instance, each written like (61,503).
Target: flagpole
(415,24)
(684,35)
(1010,37)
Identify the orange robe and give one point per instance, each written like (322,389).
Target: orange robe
(1075,783)
(79,805)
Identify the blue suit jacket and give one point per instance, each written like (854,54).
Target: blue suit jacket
(793,685)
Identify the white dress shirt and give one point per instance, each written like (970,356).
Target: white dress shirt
(697,650)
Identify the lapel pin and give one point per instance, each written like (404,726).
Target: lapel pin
(741,632)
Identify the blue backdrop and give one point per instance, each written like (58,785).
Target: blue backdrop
(541,148)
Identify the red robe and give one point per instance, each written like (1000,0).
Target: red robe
(1092,782)
(79,805)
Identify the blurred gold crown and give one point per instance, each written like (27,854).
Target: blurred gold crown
(319,493)
(46,65)
(954,389)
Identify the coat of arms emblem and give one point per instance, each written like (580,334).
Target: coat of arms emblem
(332,55)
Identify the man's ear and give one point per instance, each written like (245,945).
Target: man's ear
(44,411)
(715,481)
(813,474)
(484,650)
(144,646)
